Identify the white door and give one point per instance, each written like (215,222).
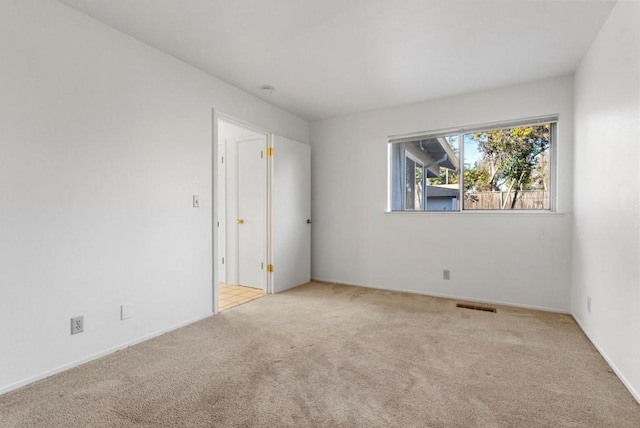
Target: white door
(290,213)
(222,216)
(251,212)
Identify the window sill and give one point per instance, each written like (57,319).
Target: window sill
(481,213)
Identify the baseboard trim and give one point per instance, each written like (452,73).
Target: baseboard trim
(446,296)
(615,368)
(64,367)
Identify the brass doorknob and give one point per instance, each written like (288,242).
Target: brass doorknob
(240,221)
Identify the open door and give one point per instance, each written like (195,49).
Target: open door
(290,205)
(251,212)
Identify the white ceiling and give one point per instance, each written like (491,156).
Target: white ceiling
(329,58)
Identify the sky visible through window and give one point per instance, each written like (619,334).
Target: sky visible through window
(471,153)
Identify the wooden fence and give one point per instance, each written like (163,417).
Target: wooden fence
(526,200)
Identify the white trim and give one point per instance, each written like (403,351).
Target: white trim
(446,296)
(215,116)
(101,354)
(269,257)
(401,138)
(616,370)
(389,177)
(553,167)
(489,213)
(241,123)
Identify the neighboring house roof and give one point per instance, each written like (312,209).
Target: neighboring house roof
(434,153)
(441,192)
(437,148)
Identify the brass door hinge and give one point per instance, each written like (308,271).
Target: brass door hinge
(269,268)
(270,151)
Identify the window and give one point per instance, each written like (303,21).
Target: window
(505,167)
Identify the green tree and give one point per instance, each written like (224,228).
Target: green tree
(513,159)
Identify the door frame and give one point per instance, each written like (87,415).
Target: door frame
(221,175)
(218,115)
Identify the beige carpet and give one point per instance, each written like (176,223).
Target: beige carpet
(330,356)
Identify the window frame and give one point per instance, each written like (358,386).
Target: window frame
(552,120)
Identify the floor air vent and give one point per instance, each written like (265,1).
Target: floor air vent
(476,307)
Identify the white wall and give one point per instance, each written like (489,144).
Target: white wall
(103,142)
(515,258)
(606,233)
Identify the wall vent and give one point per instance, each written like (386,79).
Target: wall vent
(476,307)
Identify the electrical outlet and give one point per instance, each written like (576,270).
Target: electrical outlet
(446,274)
(589,304)
(196,201)
(77,325)
(125,311)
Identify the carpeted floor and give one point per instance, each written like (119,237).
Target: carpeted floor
(336,356)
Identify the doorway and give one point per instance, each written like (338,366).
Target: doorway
(242,214)
(262,217)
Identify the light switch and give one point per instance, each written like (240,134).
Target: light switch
(125,311)
(196,201)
